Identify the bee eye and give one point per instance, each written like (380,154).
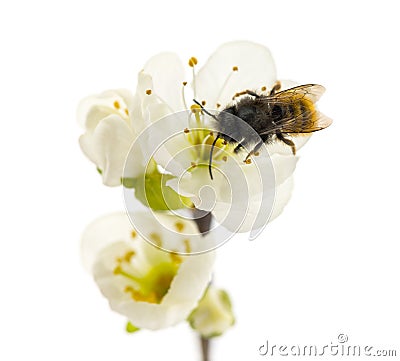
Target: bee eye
(276,112)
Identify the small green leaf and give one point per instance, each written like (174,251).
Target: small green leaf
(131,328)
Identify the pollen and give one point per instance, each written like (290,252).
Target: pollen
(192,62)
(224,158)
(116,105)
(247,161)
(156,238)
(179,226)
(126,111)
(186,130)
(203,103)
(235,68)
(184,83)
(148,91)
(133,234)
(257,154)
(218,105)
(264,88)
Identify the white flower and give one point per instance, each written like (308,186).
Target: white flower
(242,195)
(151,287)
(112,121)
(213,316)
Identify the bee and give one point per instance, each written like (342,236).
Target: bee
(274,117)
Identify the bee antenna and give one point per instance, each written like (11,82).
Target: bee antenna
(205,111)
(211,154)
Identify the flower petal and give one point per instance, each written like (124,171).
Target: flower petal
(108,147)
(94,108)
(217,82)
(168,74)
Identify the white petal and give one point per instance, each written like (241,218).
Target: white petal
(94,108)
(168,74)
(282,197)
(102,233)
(256,69)
(108,147)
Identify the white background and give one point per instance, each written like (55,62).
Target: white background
(328,265)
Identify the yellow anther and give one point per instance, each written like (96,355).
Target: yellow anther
(264,88)
(128,256)
(192,61)
(156,238)
(235,68)
(179,226)
(248,161)
(148,91)
(117,270)
(116,105)
(195,108)
(133,234)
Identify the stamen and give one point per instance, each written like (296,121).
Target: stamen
(192,63)
(183,95)
(188,248)
(234,70)
(116,105)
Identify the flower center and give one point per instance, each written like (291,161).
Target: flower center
(150,286)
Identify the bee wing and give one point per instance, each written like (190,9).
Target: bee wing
(295,125)
(311,92)
(310,120)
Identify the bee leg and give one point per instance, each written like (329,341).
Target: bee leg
(254,151)
(237,148)
(249,92)
(275,88)
(287,141)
